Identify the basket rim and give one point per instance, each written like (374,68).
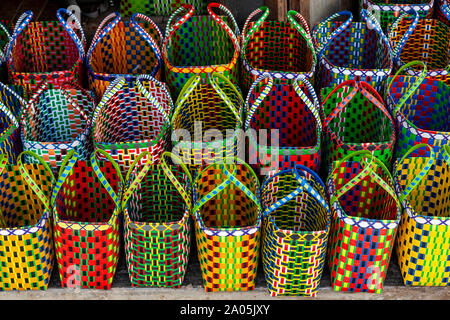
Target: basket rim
(129,222)
(44,220)
(400,6)
(49,145)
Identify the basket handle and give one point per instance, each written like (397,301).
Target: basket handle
(112,89)
(81,44)
(47,202)
(400,45)
(9,114)
(71,84)
(102,30)
(260,98)
(343,102)
(184,94)
(234,35)
(188,10)
(8,35)
(20,25)
(303,29)
(246,37)
(314,105)
(153,101)
(223,95)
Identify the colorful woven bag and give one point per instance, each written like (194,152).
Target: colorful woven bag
(133,117)
(227,225)
(157,7)
(296,221)
(421,107)
(208,118)
(200,45)
(355,118)
(426,40)
(282,49)
(55,121)
(351,51)
(423,240)
(5,37)
(386,11)
(46,50)
(123,48)
(292,108)
(365,217)
(26,246)
(443,11)
(157,224)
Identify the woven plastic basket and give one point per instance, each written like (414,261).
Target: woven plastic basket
(292,108)
(157,7)
(46,50)
(422,110)
(133,117)
(123,48)
(157,224)
(227,226)
(282,49)
(200,45)
(423,241)
(5,37)
(443,11)
(351,51)
(296,221)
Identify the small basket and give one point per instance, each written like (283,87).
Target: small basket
(227,226)
(133,117)
(157,225)
(296,222)
(200,45)
(5,37)
(284,50)
(291,107)
(46,51)
(421,107)
(123,49)
(351,51)
(422,245)
(355,118)
(443,11)
(157,7)
(365,217)
(26,257)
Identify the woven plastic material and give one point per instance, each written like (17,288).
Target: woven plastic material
(292,108)
(133,117)
(386,11)
(207,121)
(158,7)
(158,226)
(296,221)
(200,45)
(283,49)
(46,50)
(351,51)
(123,48)
(55,121)
(423,240)
(365,218)
(5,36)
(227,226)
(355,118)
(443,11)
(26,257)
(422,110)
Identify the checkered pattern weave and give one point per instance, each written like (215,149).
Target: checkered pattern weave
(364,223)
(443,11)
(296,221)
(5,35)
(45,50)
(292,108)
(355,118)
(227,226)
(200,45)
(158,7)
(133,117)
(351,51)
(123,48)
(282,49)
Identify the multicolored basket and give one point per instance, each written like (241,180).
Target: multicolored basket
(421,106)
(355,118)
(157,224)
(157,7)
(423,240)
(200,45)
(123,48)
(46,51)
(55,121)
(296,221)
(351,51)
(443,11)
(227,225)
(5,37)
(26,255)
(207,120)
(365,217)
(284,50)
(86,223)
(386,11)
(292,108)
(133,117)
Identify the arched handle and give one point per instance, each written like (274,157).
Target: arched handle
(20,25)
(343,102)
(9,114)
(246,37)
(234,35)
(188,87)
(66,166)
(81,44)
(112,89)
(267,88)
(399,47)
(3,51)
(304,31)
(313,106)
(102,30)
(188,10)
(223,95)
(153,101)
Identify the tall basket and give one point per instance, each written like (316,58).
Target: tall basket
(157,7)
(296,222)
